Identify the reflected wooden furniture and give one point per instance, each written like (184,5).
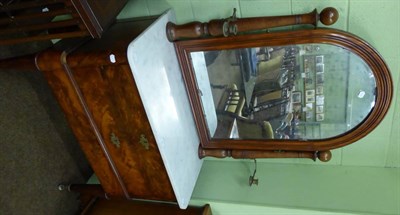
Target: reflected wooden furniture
(231,101)
(242,128)
(32,20)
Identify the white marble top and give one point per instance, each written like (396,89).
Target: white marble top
(157,74)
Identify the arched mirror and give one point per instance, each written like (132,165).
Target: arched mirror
(304,90)
(301,92)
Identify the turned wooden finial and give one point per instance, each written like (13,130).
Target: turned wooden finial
(329,16)
(324,156)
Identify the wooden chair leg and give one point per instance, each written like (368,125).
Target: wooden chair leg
(94,190)
(88,193)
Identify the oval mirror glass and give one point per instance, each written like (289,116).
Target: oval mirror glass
(299,92)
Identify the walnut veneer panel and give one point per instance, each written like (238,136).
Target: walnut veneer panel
(69,101)
(113,100)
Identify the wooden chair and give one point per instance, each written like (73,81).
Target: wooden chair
(232,100)
(247,128)
(34,20)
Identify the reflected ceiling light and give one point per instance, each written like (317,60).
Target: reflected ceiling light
(361,94)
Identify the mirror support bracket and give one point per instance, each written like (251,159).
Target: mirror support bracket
(234,25)
(323,156)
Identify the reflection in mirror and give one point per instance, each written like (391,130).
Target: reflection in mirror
(309,91)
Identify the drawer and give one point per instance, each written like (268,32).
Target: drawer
(74,111)
(114,103)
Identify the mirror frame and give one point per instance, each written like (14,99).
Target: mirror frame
(384,85)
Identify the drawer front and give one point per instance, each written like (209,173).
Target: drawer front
(112,98)
(69,101)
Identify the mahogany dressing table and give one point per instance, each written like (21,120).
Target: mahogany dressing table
(124,98)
